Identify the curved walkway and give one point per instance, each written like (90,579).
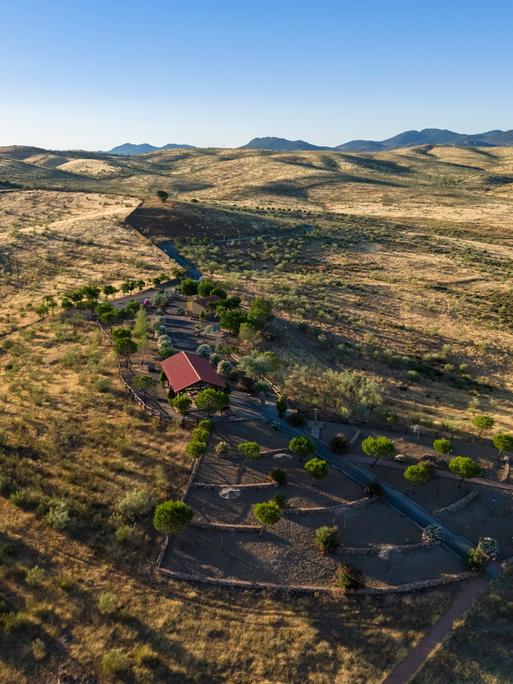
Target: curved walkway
(429,643)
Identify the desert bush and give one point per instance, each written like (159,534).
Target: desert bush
(145,656)
(58,514)
(135,504)
(326,538)
(278,475)
(15,622)
(224,367)
(126,534)
(107,603)
(338,443)
(204,350)
(348,577)
(38,649)
(296,420)
(374,488)
(476,559)
(35,576)
(114,663)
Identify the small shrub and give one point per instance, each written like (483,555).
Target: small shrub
(338,443)
(35,576)
(296,420)
(476,559)
(280,500)
(57,515)
(38,650)
(126,534)
(135,504)
(107,603)
(15,622)
(326,538)
(114,662)
(204,350)
(279,476)
(348,577)
(374,488)
(145,656)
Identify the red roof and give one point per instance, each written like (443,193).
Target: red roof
(186,369)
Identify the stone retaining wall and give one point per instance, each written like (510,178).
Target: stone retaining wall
(312,589)
(348,506)
(376,549)
(251,485)
(458,505)
(226,527)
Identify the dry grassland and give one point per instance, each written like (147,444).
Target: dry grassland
(76,552)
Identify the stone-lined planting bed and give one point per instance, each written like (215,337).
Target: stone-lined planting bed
(490,514)
(286,554)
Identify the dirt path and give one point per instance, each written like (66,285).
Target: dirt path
(429,643)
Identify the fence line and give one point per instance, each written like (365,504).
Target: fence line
(146,407)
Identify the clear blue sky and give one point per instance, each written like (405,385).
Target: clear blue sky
(95,73)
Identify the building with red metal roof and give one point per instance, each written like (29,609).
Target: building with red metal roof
(188,371)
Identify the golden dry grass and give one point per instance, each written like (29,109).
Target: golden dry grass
(52,242)
(70,436)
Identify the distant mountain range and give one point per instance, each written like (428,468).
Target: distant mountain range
(427,136)
(131,150)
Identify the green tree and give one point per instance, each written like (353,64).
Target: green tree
(109,290)
(125,346)
(41,310)
(171,517)
(250,450)
(248,334)
(464,467)
(231,302)
(281,405)
(205,287)
(143,382)
(267,513)
(317,468)
(259,364)
(260,312)
(442,446)
(418,474)
(211,400)
(378,447)
(326,538)
(182,403)
(483,423)
(189,287)
(231,319)
(503,442)
(162,195)
(301,446)
(140,333)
